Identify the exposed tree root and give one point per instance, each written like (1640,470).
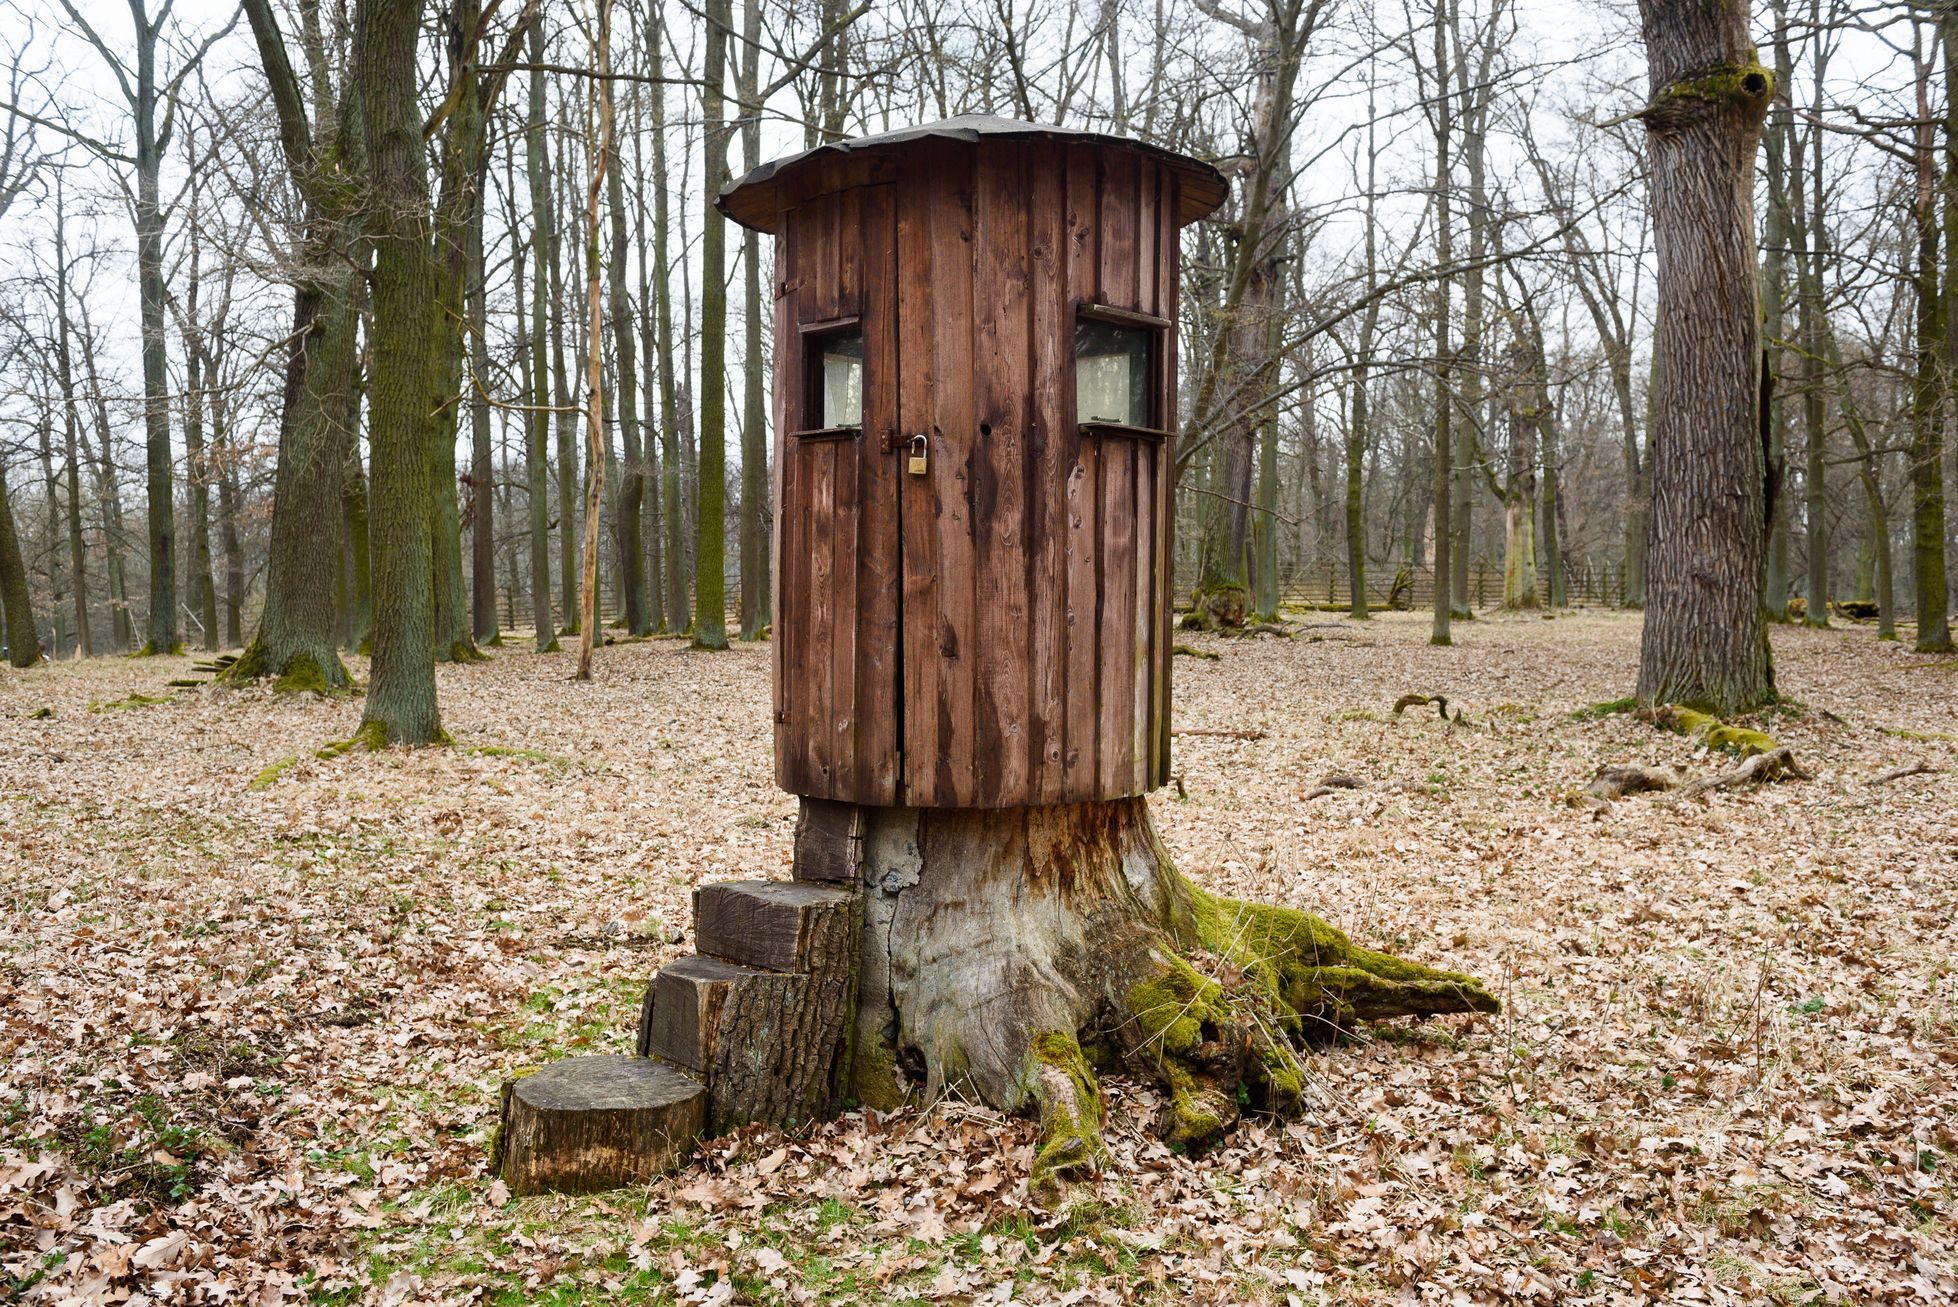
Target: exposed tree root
(1440,702)
(1014,952)
(1708,730)
(1898,773)
(1777,764)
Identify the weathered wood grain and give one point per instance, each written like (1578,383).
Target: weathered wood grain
(994,632)
(766,1044)
(828,841)
(781,925)
(590,1123)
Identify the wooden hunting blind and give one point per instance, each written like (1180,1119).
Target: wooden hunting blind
(975,381)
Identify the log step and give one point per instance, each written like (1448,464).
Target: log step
(768,1044)
(687,1010)
(589,1123)
(778,925)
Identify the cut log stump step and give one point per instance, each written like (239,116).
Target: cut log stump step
(780,925)
(590,1123)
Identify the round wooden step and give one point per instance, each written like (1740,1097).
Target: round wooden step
(591,1123)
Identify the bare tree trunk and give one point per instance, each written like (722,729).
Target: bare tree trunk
(567,428)
(401,706)
(1809,233)
(482,463)
(538,398)
(51,482)
(599,134)
(632,469)
(1550,504)
(23,638)
(1528,406)
(710,555)
(295,642)
(1937,350)
(652,528)
(1705,642)
(679,615)
(755,617)
(1444,357)
(202,589)
(65,379)
(108,491)
(1779,139)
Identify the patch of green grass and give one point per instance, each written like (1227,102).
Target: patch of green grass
(1609,708)
(141,1149)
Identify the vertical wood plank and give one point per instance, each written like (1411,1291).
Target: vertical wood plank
(849,252)
(1082,502)
(954,759)
(1117,565)
(788,380)
(918,525)
(819,735)
(1148,234)
(879,570)
(1118,229)
(1140,723)
(1000,470)
(1050,316)
(1169,259)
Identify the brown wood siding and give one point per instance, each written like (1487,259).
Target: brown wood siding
(1011,607)
(836,517)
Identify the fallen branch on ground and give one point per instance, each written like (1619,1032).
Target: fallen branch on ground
(1898,773)
(1221,735)
(1775,765)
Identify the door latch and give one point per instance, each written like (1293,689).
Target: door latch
(915,462)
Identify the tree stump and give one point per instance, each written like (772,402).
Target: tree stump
(1013,953)
(591,1123)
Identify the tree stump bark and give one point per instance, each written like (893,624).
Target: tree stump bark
(591,1123)
(1014,953)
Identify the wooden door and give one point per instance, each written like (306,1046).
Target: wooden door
(836,492)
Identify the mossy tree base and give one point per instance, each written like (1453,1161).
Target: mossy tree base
(1219,606)
(296,671)
(1012,953)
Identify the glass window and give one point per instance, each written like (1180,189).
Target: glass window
(1111,373)
(839,374)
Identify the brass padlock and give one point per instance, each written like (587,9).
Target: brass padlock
(915,464)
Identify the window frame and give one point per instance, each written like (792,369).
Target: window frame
(814,335)
(1155,331)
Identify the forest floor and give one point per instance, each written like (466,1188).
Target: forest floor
(255,1005)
